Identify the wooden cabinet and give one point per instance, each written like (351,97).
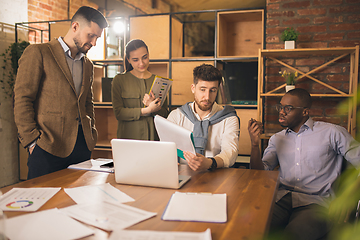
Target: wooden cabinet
(333,55)
(182,79)
(155,32)
(240,33)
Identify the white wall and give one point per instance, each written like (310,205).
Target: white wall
(13,11)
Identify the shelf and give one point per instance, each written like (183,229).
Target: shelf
(155,32)
(274,55)
(243,106)
(103,105)
(240,33)
(266,135)
(325,54)
(103,144)
(107,62)
(237,59)
(159,68)
(306,51)
(313,95)
(179,59)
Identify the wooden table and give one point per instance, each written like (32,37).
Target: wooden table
(250,199)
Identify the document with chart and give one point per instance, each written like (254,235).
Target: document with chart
(161,87)
(26,199)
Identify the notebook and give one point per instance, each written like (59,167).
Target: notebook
(146,163)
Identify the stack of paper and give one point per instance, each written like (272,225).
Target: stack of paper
(94,165)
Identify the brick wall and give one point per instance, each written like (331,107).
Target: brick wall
(45,10)
(321,24)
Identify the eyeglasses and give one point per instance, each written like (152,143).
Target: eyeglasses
(287,108)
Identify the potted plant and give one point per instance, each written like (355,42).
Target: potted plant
(289,36)
(290,78)
(11,57)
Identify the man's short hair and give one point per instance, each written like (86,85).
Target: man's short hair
(90,15)
(303,95)
(206,72)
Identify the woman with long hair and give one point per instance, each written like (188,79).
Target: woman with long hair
(133,105)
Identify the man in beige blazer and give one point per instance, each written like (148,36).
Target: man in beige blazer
(54,110)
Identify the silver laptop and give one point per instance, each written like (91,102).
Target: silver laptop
(146,163)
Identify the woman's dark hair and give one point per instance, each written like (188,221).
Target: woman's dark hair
(132,46)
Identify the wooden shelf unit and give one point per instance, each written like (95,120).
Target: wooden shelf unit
(155,30)
(337,53)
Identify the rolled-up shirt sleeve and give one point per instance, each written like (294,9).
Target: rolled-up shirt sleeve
(230,140)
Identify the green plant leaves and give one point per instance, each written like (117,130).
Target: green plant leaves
(289,34)
(11,57)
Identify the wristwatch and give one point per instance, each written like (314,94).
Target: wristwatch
(213,164)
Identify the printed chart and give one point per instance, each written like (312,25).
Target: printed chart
(161,87)
(26,199)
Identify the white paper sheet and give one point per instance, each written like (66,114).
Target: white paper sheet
(107,216)
(44,225)
(26,199)
(93,165)
(171,132)
(156,235)
(97,193)
(200,207)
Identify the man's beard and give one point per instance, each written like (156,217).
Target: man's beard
(203,108)
(81,49)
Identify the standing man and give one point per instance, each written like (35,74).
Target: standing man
(309,155)
(216,129)
(54,110)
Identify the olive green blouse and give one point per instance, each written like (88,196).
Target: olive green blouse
(127,94)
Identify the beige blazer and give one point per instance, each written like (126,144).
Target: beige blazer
(46,106)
